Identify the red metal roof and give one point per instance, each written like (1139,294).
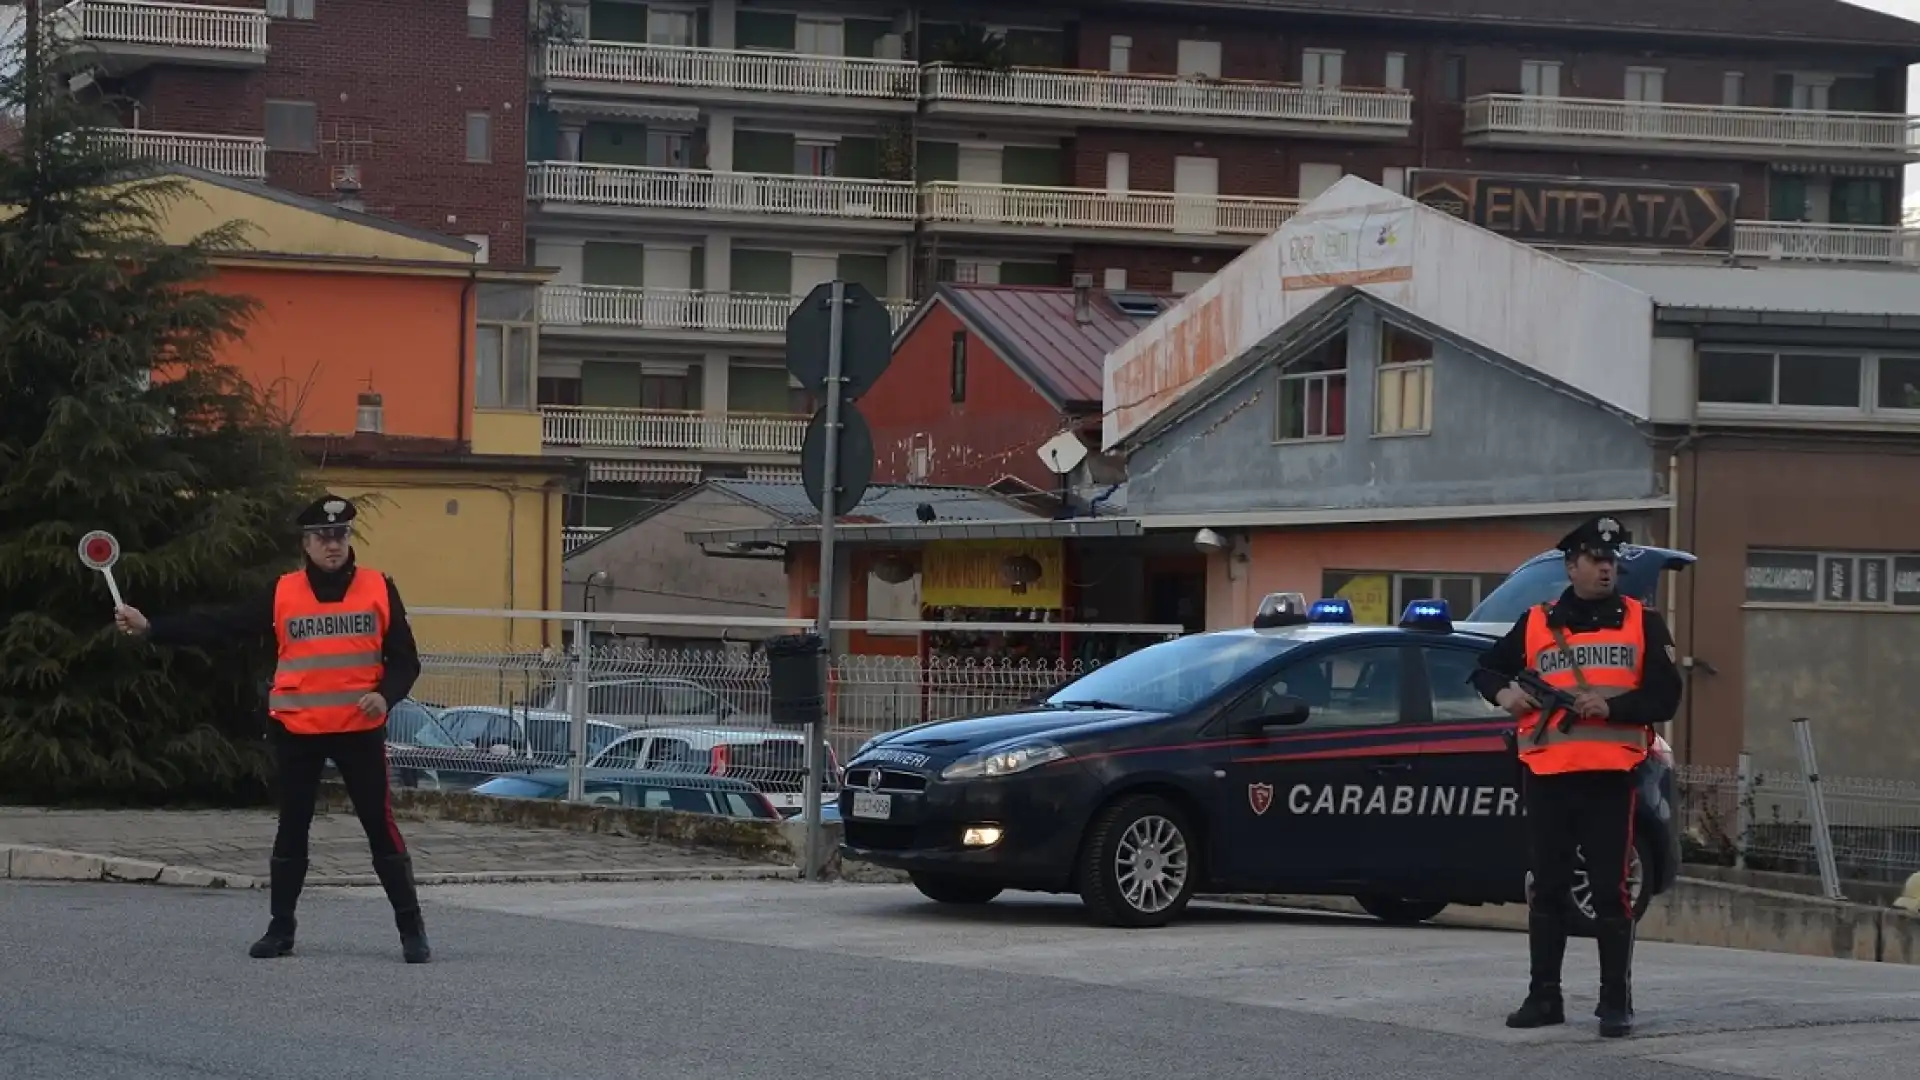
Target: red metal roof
(1033,327)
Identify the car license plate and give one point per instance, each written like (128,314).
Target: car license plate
(868,805)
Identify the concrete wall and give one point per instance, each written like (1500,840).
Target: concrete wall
(654,570)
(1498,438)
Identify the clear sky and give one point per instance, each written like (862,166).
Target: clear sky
(11,10)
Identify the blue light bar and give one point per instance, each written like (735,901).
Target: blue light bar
(1330,610)
(1430,615)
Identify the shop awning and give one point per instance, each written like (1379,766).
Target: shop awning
(1031,529)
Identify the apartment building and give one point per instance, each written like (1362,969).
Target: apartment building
(692,167)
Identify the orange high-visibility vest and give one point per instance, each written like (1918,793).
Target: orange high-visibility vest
(1609,662)
(330,654)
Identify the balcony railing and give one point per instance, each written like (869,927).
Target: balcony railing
(652,308)
(1165,96)
(574,537)
(777,195)
(595,427)
(727,69)
(1728,125)
(1806,241)
(1084,208)
(185,26)
(241,156)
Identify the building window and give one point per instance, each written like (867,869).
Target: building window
(1187,281)
(506,360)
(669,27)
(1646,85)
(1118,173)
(1897,383)
(1394,179)
(1379,596)
(1198,59)
(1453,79)
(290,9)
(479,137)
(1403,384)
(1733,88)
(557,390)
(1313,394)
(480,18)
(814,158)
(293,127)
(1321,68)
(957,368)
(1116,279)
(503,366)
(1735,380)
(1119,54)
(1396,73)
(1540,78)
(1853,579)
(481,241)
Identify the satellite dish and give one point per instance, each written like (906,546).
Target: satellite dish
(1063,453)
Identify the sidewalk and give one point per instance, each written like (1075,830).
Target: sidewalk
(239,842)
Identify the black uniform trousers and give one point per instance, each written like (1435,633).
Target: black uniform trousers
(1575,814)
(361,757)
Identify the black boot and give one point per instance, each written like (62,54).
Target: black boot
(286,876)
(1546,947)
(396,876)
(1616,977)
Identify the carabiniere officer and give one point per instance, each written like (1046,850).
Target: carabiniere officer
(346,655)
(1581,788)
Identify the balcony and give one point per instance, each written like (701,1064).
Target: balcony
(713,75)
(1516,120)
(1083,213)
(243,157)
(1805,241)
(591,427)
(121,36)
(1226,105)
(642,192)
(619,309)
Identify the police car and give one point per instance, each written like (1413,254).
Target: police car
(1303,755)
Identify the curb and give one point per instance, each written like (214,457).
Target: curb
(21,863)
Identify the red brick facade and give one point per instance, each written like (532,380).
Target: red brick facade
(392,84)
(1270,50)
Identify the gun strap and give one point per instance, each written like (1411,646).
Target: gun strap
(1560,638)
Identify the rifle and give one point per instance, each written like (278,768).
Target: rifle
(1552,700)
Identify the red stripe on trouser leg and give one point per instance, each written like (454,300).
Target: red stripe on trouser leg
(386,799)
(1626,860)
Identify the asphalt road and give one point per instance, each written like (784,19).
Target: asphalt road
(797,981)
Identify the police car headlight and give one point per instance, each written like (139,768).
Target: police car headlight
(1003,761)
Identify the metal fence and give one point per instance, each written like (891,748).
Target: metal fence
(1773,820)
(478,713)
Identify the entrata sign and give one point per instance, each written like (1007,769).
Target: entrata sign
(1582,212)
(99,551)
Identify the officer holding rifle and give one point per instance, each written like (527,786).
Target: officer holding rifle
(1587,677)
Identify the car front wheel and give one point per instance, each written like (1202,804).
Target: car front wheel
(951,890)
(1137,868)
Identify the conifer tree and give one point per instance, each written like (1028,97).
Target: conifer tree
(117,413)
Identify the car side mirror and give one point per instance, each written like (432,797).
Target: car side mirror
(1284,711)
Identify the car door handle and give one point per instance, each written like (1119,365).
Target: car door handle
(1391,767)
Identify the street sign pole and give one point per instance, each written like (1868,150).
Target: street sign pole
(829,478)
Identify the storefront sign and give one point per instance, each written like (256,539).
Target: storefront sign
(969,574)
(1371,596)
(1348,246)
(1582,212)
(1782,577)
(1822,578)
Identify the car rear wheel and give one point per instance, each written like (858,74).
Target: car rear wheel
(1398,912)
(1581,894)
(951,890)
(1137,866)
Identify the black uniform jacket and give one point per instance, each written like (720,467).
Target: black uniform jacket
(1657,699)
(254,615)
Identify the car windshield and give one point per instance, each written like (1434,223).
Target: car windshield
(1172,676)
(430,733)
(1544,581)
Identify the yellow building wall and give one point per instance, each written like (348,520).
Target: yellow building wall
(462,540)
(507,431)
(293,230)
